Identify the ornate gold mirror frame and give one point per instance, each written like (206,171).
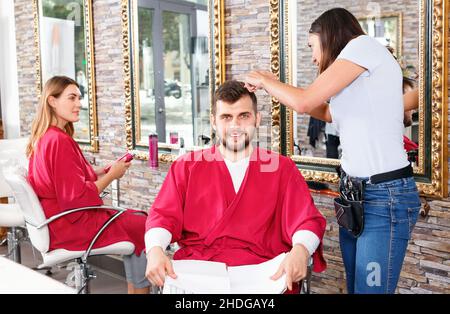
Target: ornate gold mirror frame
(216,66)
(91,144)
(398,17)
(431,173)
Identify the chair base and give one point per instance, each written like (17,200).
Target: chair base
(14,238)
(80,276)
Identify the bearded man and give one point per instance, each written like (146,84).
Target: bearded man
(235,203)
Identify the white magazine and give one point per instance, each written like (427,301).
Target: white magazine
(204,277)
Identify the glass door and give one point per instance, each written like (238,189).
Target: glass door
(147,79)
(173,62)
(177,75)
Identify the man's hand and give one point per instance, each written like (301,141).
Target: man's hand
(158,265)
(295,265)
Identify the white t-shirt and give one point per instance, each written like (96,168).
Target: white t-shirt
(237,171)
(368,113)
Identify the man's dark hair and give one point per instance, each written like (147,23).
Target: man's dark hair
(230,92)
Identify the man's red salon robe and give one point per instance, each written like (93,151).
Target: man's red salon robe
(198,205)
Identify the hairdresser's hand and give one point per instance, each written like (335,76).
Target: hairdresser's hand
(294,265)
(255,80)
(119,168)
(158,265)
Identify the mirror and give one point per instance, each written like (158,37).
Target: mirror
(175,63)
(63,36)
(415,32)
(315,138)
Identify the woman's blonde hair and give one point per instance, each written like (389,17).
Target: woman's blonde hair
(45,113)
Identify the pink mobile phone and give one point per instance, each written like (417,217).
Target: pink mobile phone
(126,157)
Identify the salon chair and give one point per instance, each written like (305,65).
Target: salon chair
(37,227)
(12,151)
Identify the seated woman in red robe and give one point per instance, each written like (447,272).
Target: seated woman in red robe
(63,179)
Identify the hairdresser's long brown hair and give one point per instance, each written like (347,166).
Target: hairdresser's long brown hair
(335,28)
(45,113)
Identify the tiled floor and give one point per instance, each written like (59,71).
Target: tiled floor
(105,283)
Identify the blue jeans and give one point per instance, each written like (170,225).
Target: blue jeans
(373,261)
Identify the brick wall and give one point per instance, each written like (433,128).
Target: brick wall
(25,63)
(426,268)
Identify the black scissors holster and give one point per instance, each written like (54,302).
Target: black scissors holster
(349,206)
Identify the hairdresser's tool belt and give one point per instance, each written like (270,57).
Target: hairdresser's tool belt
(349,206)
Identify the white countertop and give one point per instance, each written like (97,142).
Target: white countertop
(16,278)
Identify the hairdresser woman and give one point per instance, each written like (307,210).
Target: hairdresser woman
(363,83)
